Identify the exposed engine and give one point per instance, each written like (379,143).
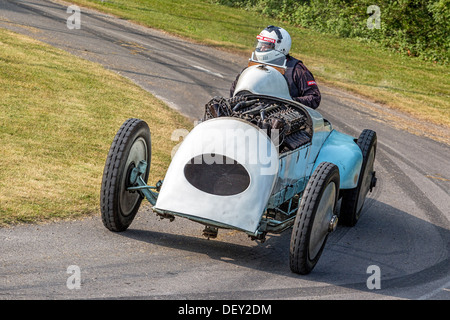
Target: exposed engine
(285,123)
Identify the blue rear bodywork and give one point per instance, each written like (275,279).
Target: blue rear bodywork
(341,149)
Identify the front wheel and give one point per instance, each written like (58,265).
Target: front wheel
(315,218)
(130,145)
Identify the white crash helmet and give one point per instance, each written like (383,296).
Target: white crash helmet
(273,44)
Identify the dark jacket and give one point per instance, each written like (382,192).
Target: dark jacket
(301,82)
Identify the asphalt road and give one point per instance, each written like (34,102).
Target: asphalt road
(404,230)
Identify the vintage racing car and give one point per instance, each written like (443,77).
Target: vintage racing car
(259,163)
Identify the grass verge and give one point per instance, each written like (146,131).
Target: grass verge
(410,85)
(58,117)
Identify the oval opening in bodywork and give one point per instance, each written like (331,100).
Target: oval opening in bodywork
(217,174)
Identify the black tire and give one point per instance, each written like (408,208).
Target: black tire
(311,226)
(131,144)
(353,199)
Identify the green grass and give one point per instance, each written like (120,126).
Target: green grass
(58,117)
(413,86)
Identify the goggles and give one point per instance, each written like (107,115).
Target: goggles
(264,44)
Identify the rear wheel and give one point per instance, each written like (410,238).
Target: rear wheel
(353,199)
(315,218)
(130,145)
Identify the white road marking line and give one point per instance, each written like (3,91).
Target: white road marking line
(208,71)
(435,292)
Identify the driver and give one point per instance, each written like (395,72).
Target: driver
(273,45)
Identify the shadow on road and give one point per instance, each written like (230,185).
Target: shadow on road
(417,255)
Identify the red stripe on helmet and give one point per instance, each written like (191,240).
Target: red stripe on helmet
(262,38)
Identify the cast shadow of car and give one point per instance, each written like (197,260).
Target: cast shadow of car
(407,251)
